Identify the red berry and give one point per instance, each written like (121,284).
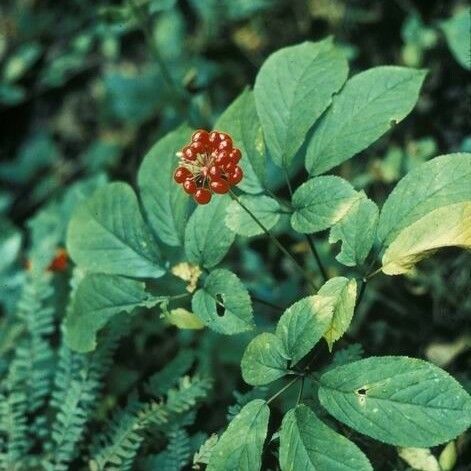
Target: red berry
(225,144)
(236,176)
(222,158)
(214,171)
(198,147)
(181,174)
(188,153)
(213,138)
(220,186)
(190,187)
(60,261)
(235,155)
(200,135)
(230,167)
(202,196)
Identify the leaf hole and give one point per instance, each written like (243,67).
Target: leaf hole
(220,309)
(393,122)
(362,392)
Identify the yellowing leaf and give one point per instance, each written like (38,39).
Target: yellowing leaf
(444,227)
(420,459)
(342,294)
(189,273)
(183,319)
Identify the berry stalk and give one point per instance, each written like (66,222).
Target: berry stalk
(275,241)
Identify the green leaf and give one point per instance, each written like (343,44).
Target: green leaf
(302,325)
(397,400)
(222,288)
(10,243)
(240,446)
(321,202)
(266,209)
(357,231)
(98,298)
(342,293)
(439,182)
(445,227)
(207,238)
(264,360)
(241,121)
(457,30)
(107,234)
(292,89)
(307,444)
(165,203)
(368,106)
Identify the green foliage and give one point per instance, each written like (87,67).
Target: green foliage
(165,205)
(294,86)
(222,289)
(398,400)
(303,441)
(320,203)
(97,299)
(456,30)
(157,300)
(369,105)
(107,234)
(266,209)
(240,446)
(207,238)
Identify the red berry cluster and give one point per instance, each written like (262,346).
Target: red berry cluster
(208,165)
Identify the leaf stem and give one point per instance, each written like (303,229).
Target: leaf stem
(275,240)
(283,389)
(312,245)
(300,393)
(266,303)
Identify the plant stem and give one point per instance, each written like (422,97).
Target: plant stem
(266,303)
(288,183)
(312,245)
(275,241)
(300,393)
(283,389)
(144,24)
(371,275)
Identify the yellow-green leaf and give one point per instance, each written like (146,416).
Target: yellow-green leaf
(444,227)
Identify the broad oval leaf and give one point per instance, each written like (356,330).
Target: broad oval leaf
(342,293)
(266,209)
(442,181)
(207,238)
(241,445)
(397,400)
(293,87)
(321,202)
(457,30)
(222,288)
(445,227)
(165,203)
(241,121)
(264,360)
(97,299)
(368,106)
(107,234)
(302,325)
(307,444)
(357,231)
